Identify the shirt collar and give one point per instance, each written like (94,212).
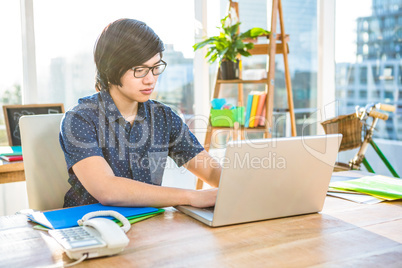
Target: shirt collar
(142,112)
(113,114)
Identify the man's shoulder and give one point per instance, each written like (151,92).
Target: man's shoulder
(87,106)
(89,101)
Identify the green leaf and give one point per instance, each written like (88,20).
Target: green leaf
(239,44)
(223,52)
(204,43)
(233,29)
(229,44)
(254,32)
(209,52)
(213,58)
(249,46)
(244,53)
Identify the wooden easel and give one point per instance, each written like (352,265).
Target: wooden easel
(278,44)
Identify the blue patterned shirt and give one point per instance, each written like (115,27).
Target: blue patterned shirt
(95,127)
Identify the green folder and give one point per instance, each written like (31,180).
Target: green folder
(134,219)
(379,186)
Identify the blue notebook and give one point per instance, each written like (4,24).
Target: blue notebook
(248,110)
(10,150)
(68,217)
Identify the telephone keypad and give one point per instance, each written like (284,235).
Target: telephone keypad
(75,237)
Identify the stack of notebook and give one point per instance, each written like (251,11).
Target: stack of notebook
(255,110)
(11,153)
(68,217)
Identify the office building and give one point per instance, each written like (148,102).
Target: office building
(375,75)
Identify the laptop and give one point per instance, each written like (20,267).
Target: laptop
(271,178)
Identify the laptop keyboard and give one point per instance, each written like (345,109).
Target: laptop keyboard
(209,209)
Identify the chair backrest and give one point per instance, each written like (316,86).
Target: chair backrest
(45,167)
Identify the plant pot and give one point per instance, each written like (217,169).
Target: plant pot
(229,70)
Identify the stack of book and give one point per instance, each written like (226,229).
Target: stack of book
(11,153)
(255,109)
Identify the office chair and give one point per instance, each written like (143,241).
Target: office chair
(45,167)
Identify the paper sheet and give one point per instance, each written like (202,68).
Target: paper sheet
(359,198)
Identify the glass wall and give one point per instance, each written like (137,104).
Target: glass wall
(10,59)
(65,38)
(300,20)
(368,44)
(368,59)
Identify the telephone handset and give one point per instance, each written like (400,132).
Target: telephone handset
(95,237)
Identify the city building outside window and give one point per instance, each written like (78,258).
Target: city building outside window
(368,51)
(372,64)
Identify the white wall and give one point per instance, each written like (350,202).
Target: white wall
(13,198)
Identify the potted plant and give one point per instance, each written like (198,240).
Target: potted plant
(228,45)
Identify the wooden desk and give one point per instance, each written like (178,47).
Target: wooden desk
(344,234)
(11,171)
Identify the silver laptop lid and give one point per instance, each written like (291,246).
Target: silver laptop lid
(271,178)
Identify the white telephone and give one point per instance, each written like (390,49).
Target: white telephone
(95,238)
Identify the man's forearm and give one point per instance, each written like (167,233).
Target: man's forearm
(127,192)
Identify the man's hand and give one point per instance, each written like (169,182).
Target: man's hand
(204,198)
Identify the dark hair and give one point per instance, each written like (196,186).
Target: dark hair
(123,44)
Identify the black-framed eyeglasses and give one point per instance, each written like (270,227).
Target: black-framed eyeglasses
(140,72)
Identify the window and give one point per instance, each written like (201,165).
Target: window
(375,64)
(388,75)
(351,94)
(65,66)
(375,71)
(341,75)
(11,59)
(399,77)
(388,96)
(351,75)
(375,95)
(300,19)
(363,75)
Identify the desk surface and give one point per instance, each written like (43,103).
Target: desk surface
(11,171)
(343,234)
